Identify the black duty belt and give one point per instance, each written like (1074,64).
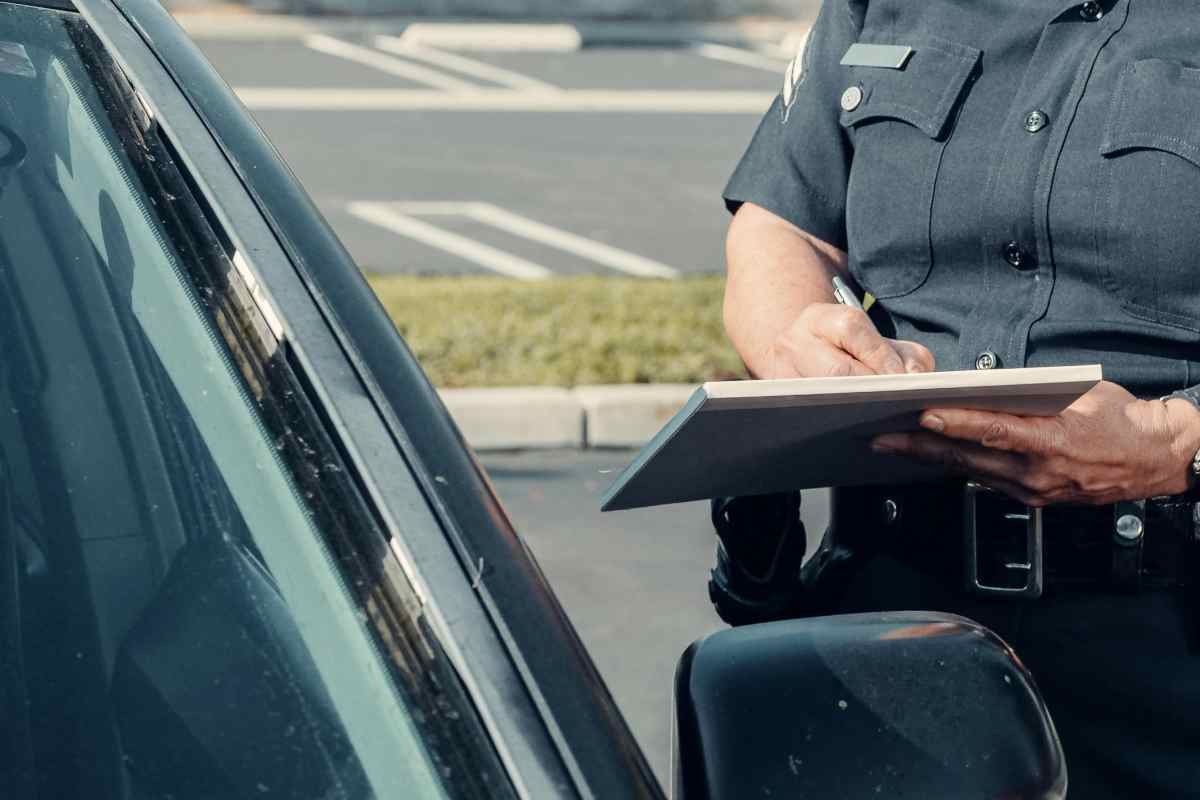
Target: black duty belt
(1001,547)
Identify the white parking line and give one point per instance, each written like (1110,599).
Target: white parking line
(385,216)
(609,256)
(735,55)
(791,46)
(392,66)
(461,64)
(794,43)
(528,38)
(507,100)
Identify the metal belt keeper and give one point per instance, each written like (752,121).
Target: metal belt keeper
(1129,538)
(1019,523)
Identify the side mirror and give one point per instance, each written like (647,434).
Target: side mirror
(910,704)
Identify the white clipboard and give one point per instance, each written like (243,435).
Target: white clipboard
(736,438)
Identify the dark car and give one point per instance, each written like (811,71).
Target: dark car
(245,553)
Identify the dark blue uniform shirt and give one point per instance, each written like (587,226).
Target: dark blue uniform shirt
(1026,186)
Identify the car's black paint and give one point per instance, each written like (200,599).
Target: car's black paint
(913,704)
(578,714)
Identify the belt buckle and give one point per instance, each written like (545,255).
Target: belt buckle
(982,505)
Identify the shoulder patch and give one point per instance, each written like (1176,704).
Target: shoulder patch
(794,76)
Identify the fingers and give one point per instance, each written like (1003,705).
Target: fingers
(1009,473)
(1035,435)
(831,340)
(852,330)
(822,360)
(917,357)
(962,458)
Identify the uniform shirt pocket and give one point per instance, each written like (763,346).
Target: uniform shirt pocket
(899,122)
(1149,239)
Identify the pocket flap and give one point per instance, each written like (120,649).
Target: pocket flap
(923,94)
(1154,107)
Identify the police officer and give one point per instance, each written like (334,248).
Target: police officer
(1018,185)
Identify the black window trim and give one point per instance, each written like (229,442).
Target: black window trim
(552,718)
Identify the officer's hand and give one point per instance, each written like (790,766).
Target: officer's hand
(831,340)
(1107,446)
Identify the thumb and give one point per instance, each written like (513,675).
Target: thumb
(917,357)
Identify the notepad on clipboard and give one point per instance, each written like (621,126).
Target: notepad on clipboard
(735,438)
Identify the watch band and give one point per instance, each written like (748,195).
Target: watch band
(1192,395)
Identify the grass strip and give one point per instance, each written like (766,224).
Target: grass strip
(478,331)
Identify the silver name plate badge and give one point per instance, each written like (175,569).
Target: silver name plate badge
(885,56)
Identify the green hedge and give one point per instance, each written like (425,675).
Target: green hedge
(561,332)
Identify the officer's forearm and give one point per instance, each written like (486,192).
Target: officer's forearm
(775,270)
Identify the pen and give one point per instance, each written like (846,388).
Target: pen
(845,295)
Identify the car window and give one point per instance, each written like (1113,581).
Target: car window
(184,611)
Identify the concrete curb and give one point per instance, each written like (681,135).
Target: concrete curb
(541,418)
(250,26)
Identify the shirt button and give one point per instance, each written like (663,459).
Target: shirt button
(1036,120)
(1091,11)
(852,98)
(987,360)
(1015,255)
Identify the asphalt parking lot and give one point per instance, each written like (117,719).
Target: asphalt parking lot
(633,582)
(604,159)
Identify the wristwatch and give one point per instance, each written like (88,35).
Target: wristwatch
(1192,395)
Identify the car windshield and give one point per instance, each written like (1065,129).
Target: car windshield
(178,617)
